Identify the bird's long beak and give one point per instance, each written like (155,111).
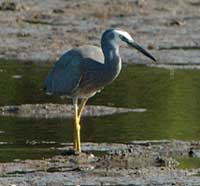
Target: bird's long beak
(141,49)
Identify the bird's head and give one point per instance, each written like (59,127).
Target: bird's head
(119,37)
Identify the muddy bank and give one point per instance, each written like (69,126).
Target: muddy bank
(138,163)
(43,30)
(50,110)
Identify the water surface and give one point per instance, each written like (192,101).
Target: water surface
(172,101)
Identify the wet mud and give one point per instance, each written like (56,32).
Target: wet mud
(137,163)
(41,31)
(50,110)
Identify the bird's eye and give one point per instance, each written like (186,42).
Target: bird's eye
(122,38)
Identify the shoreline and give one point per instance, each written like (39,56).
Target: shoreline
(138,162)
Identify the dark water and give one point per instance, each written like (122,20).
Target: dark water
(172,101)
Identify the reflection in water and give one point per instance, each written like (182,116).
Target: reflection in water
(172,105)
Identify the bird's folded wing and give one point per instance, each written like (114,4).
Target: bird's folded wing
(65,75)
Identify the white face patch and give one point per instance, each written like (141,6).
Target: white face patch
(123,33)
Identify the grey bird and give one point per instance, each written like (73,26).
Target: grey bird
(83,71)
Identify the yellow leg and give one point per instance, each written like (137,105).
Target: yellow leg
(78,138)
(81,107)
(77,126)
(77,141)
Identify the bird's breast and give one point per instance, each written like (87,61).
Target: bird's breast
(96,76)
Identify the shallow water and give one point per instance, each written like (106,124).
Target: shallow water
(189,163)
(171,97)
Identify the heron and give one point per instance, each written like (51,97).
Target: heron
(83,71)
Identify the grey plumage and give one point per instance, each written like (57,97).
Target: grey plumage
(82,71)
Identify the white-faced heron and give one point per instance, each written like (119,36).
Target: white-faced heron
(83,71)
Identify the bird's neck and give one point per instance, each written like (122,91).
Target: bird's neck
(112,60)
